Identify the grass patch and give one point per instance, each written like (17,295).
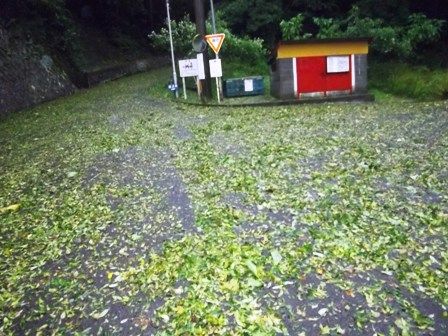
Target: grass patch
(418,82)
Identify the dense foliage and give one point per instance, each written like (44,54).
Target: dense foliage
(398,40)
(183,32)
(398,27)
(293,29)
(243,17)
(49,21)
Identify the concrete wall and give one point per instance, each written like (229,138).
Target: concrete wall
(28,76)
(282,79)
(361,73)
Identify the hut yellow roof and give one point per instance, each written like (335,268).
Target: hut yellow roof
(322,47)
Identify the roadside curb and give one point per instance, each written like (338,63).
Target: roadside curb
(346,98)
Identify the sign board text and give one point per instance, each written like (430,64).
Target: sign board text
(188,68)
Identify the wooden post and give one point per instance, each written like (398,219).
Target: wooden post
(198,86)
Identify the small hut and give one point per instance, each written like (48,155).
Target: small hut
(319,68)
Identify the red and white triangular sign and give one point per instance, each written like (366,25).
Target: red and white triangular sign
(215,41)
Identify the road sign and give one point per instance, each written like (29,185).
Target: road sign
(215,68)
(188,67)
(215,41)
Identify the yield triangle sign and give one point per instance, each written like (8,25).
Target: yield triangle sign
(215,41)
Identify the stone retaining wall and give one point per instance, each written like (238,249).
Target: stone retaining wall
(102,75)
(28,76)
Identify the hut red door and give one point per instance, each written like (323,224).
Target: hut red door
(312,76)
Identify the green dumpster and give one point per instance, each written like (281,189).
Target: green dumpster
(240,87)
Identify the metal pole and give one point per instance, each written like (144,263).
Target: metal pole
(218,93)
(172,47)
(212,8)
(218,80)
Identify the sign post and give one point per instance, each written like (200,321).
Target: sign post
(184,86)
(215,42)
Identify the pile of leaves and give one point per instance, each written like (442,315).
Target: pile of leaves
(121,213)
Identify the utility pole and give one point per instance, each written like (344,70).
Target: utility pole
(200,28)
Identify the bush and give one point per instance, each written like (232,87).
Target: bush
(417,82)
(183,33)
(246,50)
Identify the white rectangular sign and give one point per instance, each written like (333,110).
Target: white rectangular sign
(336,64)
(188,68)
(201,70)
(248,85)
(215,68)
